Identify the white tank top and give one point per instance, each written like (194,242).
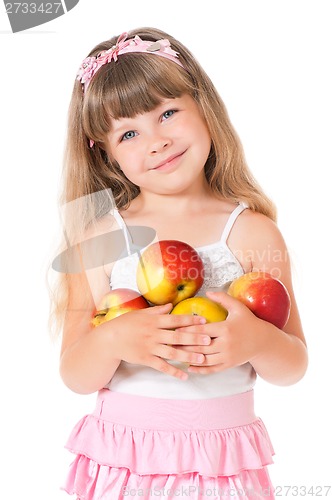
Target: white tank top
(220,267)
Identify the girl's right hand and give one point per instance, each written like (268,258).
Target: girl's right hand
(146,337)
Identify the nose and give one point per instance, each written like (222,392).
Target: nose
(159,144)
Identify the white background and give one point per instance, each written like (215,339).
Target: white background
(271,62)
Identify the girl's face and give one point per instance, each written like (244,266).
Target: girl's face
(162,151)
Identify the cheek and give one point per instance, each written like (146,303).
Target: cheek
(126,160)
(200,130)
(203,139)
(130,166)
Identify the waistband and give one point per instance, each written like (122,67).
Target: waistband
(172,414)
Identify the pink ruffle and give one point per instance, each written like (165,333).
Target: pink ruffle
(91,481)
(211,453)
(134,446)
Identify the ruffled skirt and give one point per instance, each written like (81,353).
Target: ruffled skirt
(144,448)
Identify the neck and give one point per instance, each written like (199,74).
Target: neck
(174,204)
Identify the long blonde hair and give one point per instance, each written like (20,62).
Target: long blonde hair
(135,84)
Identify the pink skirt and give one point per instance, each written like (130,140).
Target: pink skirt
(144,448)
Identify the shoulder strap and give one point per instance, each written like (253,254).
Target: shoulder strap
(231,219)
(123,226)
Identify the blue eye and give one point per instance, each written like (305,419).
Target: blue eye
(169,113)
(128,135)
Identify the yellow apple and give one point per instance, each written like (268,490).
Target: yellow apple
(201,306)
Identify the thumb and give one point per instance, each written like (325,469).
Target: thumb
(224,299)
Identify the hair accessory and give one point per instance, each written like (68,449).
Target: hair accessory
(91,65)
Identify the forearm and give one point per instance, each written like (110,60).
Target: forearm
(282,358)
(88,365)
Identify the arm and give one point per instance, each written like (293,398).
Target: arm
(90,356)
(278,356)
(86,360)
(281,357)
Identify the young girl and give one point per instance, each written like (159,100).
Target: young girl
(147,124)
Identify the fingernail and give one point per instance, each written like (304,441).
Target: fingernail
(206,340)
(202,321)
(200,358)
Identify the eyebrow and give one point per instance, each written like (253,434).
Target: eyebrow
(124,127)
(121,127)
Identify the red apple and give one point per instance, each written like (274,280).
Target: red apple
(201,306)
(266,296)
(169,271)
(116,302)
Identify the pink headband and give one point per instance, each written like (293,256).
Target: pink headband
(91,65)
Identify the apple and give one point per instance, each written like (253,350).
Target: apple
(266,296)
(169,271)
(201,306)
(116,302)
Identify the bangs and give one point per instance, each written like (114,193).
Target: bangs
(134,84)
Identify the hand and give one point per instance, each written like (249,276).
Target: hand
(234,341)
(146,337)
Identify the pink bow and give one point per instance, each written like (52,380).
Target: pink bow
(91,65)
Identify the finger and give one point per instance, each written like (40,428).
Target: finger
(202,349)
(224,299)
(163,366)
(212,329)
(164,309)
(192,329)
(211,359)
(186,339)
(173,321)
(173,354)
(206,370)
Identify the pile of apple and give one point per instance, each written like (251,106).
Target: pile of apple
(171,271)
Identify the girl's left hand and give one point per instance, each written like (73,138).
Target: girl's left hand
(235,341)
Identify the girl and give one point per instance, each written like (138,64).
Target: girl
(147,124)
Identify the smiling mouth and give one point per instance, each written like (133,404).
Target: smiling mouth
(169,162)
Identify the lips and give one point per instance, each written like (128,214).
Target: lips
(168,162)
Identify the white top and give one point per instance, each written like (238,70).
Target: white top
(220,267)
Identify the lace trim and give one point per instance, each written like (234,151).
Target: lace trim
(220,267)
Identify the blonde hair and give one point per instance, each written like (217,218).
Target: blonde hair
(135,84)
